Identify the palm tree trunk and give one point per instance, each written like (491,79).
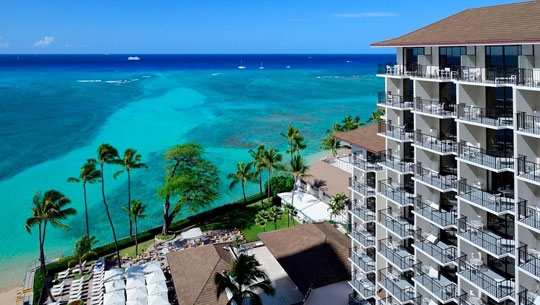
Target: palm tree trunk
(166,218)
(136,241)
(86,209)
(109,217)
(260,184)
(268,182)
(244,191)
(129,202)
(43,267)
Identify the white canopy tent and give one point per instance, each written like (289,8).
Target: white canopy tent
(136,293)
(158,299)
(135,271)
(192,233)
(117,296)
(116,285)
(308,206)
(155,277)
(113,274)
(141,301)
(136,281)
(157,288)
(152,267)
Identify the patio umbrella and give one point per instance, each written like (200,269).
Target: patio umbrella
(114,297)
(135,281)
(155,277)
(141,301)
(134,271)
(158,299)
(136,293)
(114,274)
(157,288)
(153,267)
(115,285)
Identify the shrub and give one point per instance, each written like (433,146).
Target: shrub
(280,184)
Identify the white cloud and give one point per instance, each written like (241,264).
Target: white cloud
(4,45)
(47,40)
(366,14)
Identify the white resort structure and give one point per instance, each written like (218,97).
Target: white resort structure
(449,211)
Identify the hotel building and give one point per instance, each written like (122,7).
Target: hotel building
(449,211)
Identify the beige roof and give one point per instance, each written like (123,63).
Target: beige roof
(193,272)
(365,137)
(314,253)
(500,24)
(335,180)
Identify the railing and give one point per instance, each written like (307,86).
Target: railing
(498,76)
(528,123)
(441,217)
(444,256)
(528,215)
(486,240)
(355,300)
(444,292)
(397,255)
(485,279)
(395,162)
(486,116)
(528,170)
(366,266)
(396,193)
(395,132)
(434,107)
(495,159)
(399,288)
(365,287)
(529,259)
(363,213)
(395,100)
(433,143)
(493,202)
(365,165)
(363,189)
(395,223)
(365,238)
(433,178)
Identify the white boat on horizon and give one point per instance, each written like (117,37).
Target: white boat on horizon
(134,58)
(241,66)
(261,67)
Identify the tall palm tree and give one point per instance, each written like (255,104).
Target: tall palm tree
(350,123)
(49,208)
(245,281)
(258,163)
(271,160)
(376,116)
(291,211)
(333,144)
(274,214)
(337,204)
(298,169)
(261,218)
(89,174)
(108,154)
(131,160)
(243,175)
(294,139)
(136,211)
(83,250)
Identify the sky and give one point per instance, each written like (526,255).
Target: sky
(214,26)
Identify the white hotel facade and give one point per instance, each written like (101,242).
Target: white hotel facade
(449,212)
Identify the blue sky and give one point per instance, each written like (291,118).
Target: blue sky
(214,26)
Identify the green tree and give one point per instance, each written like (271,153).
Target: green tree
(274,214)
(350,123)
(261,218)
(333,144)
(245,281)
(135,212)
(83,250)
(258,163)
(336,127)
(108,154)
(49,208)
(190,178)
(243,175)
(291,211)
(298,169)
(131,160)
(294,139)
(376,116)
(337,204)
(89,174)
(271,160)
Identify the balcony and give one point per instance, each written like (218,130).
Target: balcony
(394,162)
(435,213)
(527,297)
(490,75)
(402,227)
(395,100)
(435,179)
(529,260)
(499,287)
(529,215)
(496,160)
(362,189)
(434,108)
(370,165)
(365,238)
(396,193)
(489,240)
(354,299)
(399,133)
(397,255)
(440,286)
(364,285)
(438,250)
(433,143)
(397,285)
(492,201)
(362,212)
(527,170)
(528,124)
(485,116)
(363,261)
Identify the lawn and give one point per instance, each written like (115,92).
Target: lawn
(131,250)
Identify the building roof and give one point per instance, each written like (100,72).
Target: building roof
(193,272)
(315,253)
(335,180)
(365,137)
(500,24)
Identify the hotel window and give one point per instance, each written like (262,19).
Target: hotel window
(502,57)
(450,57)
(411,58)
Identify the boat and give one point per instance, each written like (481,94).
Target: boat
(241,66)
(134,58)
(261,67)
(287,67)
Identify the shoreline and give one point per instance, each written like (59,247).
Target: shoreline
(8,294)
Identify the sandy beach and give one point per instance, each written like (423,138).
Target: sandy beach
(7,295)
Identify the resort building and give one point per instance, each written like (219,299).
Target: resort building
(448,212)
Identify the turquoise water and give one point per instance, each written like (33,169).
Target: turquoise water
(55,116)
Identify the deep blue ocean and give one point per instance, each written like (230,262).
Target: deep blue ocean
(55,110)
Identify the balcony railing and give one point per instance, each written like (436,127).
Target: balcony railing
(363,261)
(359,162)
(475,232)
(434,107)
(431,177)
(437,284)
(396,193)
(395,132)
(432,142)
(494,202)
(363,189)
(528,123)
(365,287)
(395,162)
(365,238)
(363,213)
(528,170)
(528,215)
(395,223)
(396,254)
(497,285)
(355,299)
(485,116)
(498,76)
(395,100)
(529,259)
(494,159)
(438,250)
(433,212)
(397,285)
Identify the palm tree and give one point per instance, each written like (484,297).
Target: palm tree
(290,210)
(108,154)
(258,163)
(245,281)
(350,123)
(274,214)
(136,211)
(271,160)
(336,127)
(376,116)
(51,207)
(243,175)
(298,169)
(294,139)
(261,218)
(89,174)
(83,250)
(333,144)
(337,204)
(131,160)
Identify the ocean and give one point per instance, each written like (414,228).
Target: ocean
(55,110)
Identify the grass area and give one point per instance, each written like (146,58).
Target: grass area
(131,250)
